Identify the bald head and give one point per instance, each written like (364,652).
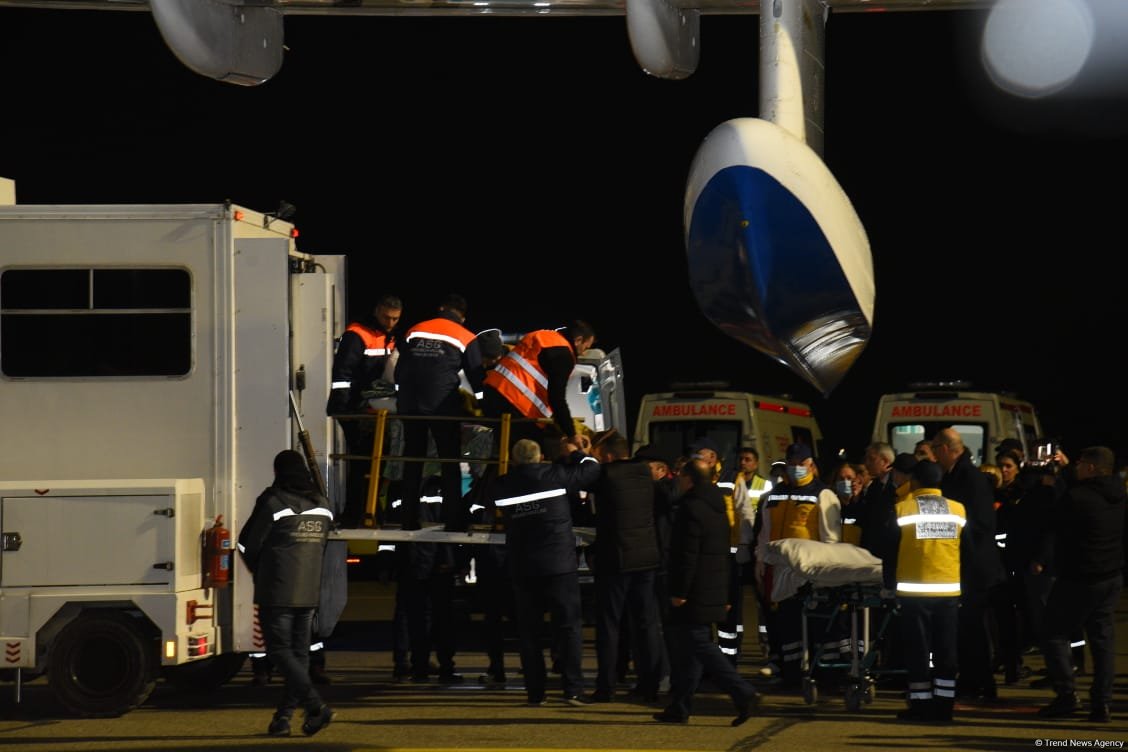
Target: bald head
(947,445)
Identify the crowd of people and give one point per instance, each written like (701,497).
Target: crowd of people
(982,565)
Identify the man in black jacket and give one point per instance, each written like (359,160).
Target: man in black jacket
(540,548)
(282,545)
(625,562)
(431,356)
(1089,558)
(981,567)
(699,591)
(363,358)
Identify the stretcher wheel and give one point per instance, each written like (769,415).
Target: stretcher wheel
(855,696)
(810,691)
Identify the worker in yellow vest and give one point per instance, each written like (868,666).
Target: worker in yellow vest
(927,582)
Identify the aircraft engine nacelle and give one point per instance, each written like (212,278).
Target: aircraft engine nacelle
(778,258)
(228,40)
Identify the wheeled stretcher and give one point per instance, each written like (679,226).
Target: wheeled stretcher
(839,584)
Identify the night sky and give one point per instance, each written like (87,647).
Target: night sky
(532,166)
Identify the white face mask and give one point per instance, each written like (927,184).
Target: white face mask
(797,472)
(845,487)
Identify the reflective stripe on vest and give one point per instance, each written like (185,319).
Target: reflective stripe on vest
(523,498)
(442,330)
(518,376)
(376,344)
(928,558)
(316,511)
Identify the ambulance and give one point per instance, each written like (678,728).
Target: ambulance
(983,419)
(671,421)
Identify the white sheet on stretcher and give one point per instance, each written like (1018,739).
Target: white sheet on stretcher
(795,562)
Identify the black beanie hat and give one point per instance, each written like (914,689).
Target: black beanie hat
(290,471)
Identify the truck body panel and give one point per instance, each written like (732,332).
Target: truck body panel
(150,342)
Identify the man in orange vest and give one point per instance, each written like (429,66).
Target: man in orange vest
(427,381)
(530,381)
(362,357)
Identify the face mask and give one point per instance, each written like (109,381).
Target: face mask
(845,487)
(797,472)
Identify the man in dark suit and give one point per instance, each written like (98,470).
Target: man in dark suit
(981,567)
(698,581)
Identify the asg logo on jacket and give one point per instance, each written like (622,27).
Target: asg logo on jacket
(313,529)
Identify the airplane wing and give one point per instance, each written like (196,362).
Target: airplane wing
(241,41)
(777,256)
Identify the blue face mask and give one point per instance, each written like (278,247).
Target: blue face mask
(844,487)
(797,472)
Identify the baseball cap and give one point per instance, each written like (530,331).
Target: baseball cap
(798,453)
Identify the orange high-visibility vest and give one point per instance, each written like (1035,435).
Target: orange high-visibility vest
(441,330)
(518,376)
(376,344)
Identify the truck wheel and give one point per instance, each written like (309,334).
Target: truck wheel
(206,675)
(102,664)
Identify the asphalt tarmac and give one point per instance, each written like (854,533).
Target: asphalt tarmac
(375,713)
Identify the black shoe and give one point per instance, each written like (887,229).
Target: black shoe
(915,715)
(1100,713)
(400,675)
(747,709)
(602,695)
(536,701)
(1061,706)
(450,678)
(420,677)
(575,701)
(1044,682)
(317,721)
(279,726)
(667,717)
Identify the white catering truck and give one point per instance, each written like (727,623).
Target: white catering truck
(148,354)
(152,358)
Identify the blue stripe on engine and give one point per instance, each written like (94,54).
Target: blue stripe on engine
(763,271)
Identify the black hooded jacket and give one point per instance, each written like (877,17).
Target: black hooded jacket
(1089,530)
(283,544)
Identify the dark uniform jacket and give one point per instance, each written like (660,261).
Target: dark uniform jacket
(431,355)
(283,543)
(699,557)
(625,535)
(539,538)
(1089,530)
(981,567)
(361,355)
